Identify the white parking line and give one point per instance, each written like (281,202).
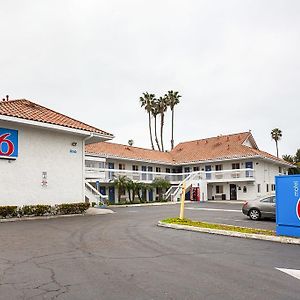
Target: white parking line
(292,272)
(213,209)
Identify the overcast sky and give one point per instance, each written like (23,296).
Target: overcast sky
(235,63)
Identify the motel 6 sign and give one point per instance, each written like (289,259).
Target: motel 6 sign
(288,205)
(8,143)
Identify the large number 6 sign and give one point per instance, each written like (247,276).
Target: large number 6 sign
(9,144)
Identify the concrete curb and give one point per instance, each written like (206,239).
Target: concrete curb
(147,204)
(103,212)
(226,201)
(278,239)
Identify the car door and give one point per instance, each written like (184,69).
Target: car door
(266,207)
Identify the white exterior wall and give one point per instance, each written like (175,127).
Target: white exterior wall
(42,150)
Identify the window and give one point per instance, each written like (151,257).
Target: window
(219,167)
(244,189)
(267,200)
(272,187)
(267,187)
(196,169)
(135,168)
(235,166)
(158,169)
(219,189)
(186,169)
(280,170)
(258,188)
(121,166)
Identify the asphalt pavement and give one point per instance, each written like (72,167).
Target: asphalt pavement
(126,256)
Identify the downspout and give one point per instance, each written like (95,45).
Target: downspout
(83,163)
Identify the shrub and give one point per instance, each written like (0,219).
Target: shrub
(8,211)
(72,208)
(35,210)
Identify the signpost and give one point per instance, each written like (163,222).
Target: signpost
(288,205)
(8,143)
(181,216)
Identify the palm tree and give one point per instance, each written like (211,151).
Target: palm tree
(155,112)
(276,135)
(173,99)
(120,183)
(162,105)
(161,184)
(147,102)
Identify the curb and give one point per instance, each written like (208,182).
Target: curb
(278,239)
(147,204)
(40,218)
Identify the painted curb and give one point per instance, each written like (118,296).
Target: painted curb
(278,239)
(148,204)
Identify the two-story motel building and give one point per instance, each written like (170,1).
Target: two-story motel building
(49,158)
(231,166)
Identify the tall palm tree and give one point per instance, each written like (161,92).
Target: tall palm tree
(173,99)
(155,112)
(276,135)
(147,102)
(162,105)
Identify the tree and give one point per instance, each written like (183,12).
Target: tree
(297,157)
(130,142)
(295,160)
(288,158)
(161,184)
(155,112)
(120,183)
(173,100)
(147,102)
(276,135)
(162,105)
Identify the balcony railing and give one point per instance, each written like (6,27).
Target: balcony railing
(107,175)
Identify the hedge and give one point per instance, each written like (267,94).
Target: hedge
(41,210)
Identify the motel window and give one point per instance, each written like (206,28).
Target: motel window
(273,187)
(219,167)
(267,187)
(168,170)
(121,166)
(135,168)
(196,169)
(244,189)
(158,169)
(186,169)
(235,166)
(258,188)
(219,189)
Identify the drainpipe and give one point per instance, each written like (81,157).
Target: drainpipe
(83,162)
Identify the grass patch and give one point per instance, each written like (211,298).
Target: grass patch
(218,226)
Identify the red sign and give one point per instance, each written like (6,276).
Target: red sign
(298,209)
(10,148)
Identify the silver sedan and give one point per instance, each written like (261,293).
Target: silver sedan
(264,207)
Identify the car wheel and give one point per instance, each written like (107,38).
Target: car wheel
(254,214)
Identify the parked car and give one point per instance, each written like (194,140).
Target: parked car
(264,207)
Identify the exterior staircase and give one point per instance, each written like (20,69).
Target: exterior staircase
(93,195)
(174,192)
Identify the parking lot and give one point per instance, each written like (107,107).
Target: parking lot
(126,256)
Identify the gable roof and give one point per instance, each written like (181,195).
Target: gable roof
(232,146)
(25,109)
(108,149)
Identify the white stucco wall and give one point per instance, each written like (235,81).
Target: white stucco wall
(42,150)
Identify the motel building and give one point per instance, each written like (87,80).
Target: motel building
(49,158)
(226,167)
(42,154)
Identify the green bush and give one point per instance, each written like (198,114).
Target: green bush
(8,211)
(35,210)
(72,208)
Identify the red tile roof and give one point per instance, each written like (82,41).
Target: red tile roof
(215,148)
(25,109)
(129,152)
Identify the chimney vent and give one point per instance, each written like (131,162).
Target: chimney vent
(7,97)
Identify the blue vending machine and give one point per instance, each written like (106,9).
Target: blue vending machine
(288,205)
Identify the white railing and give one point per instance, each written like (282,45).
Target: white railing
(107,175)
(94,195)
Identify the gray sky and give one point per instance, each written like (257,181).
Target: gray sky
(235,63)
